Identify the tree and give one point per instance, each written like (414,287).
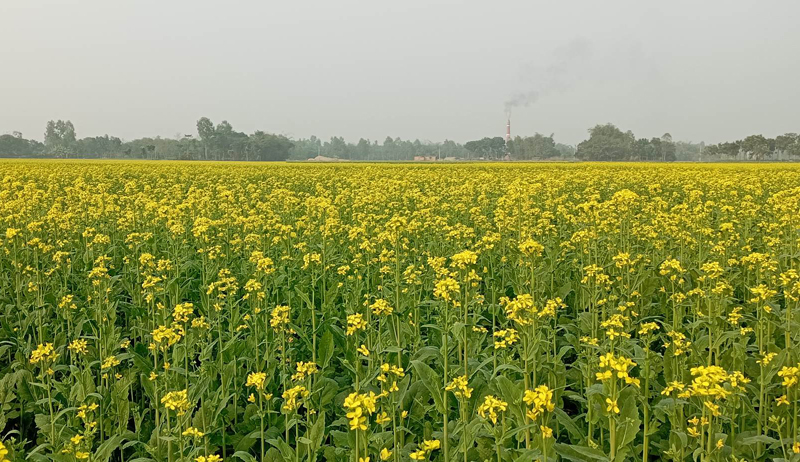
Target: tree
(646,150)
(788,143)
(337,147)
(223,135)
(757,147)
(731,149)
(389,148)
(606,143)
(495,147)
(268,147)
(565,150)
(99,146)
(539,146)
(205,130)
(306,148)
(667,148)
(450,148)
(728,149)
(655,149)
(688,151)
(16,145)
(59,137)
(222,141)
(516,148)
(489,148)
(362,149)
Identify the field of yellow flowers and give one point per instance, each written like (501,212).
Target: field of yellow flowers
(287,312)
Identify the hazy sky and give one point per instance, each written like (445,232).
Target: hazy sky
(427,69)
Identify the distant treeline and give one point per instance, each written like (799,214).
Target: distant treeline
(758,147)
(609,143)
(222,142)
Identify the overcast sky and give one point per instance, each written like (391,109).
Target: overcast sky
(427,69)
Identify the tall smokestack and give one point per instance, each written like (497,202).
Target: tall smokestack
(508,130)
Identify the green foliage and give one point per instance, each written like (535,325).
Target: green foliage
(168,311)
(609,143)
(222,142)
(59,137)
(537,147)
(487,148)
(15,145)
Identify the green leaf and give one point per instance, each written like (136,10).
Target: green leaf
(628,419)
(508,390)
(105,450)
(564,420)
(286,451)
(327,389)
(325,349)
(246,457)
(432,381)
(750,440)
(579,453)
(317,432)
(511,394)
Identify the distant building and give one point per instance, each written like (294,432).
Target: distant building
(424,158)
(326,159)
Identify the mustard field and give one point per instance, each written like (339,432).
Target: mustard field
(171,311)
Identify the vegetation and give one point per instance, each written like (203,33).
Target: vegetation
(539,146)
(222,142)
(487,148)
(15,145)
(177,312)
(757,147)
(609,143)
